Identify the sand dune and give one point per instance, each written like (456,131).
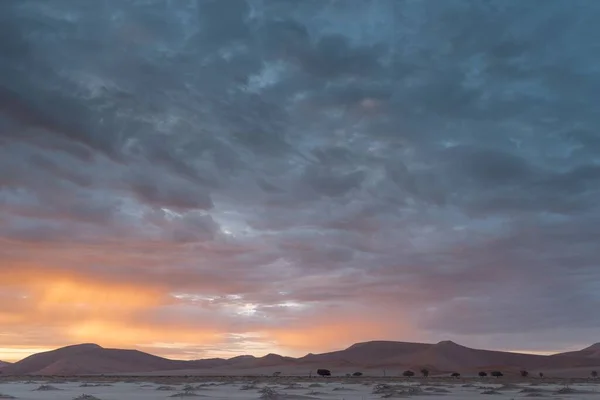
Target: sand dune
(90,359)
(375,357)
(589,352)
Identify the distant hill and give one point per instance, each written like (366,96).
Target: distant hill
(86,359)
(367,354)
(592,351)
(442,357)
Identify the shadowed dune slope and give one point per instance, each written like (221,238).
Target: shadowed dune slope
(592,351)
(93,359)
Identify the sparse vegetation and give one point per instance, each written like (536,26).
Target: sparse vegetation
(497,374)
(185,394)
(94,384)
(43,388)
(278,373)
(323,372)
(541,374)
(408,373)
(594,374)
(490,391)
(566,390)
(86,397)
(389,391)
(482,374)
(381,388)
(524,373)
(455,375)
(268,393)
(293,385)
(425,372)
(357,374)
(248,386)
(165,387)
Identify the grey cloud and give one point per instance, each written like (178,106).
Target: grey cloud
(381,153)
(171,193)
(488,167)
(194,228)
(325,181)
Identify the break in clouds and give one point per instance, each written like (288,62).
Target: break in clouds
(299,175)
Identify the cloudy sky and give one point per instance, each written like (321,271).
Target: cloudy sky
(213,178)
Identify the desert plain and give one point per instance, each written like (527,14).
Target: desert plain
(294,388)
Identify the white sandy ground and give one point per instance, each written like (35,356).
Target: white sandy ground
(288,389)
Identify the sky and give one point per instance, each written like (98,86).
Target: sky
(214,178)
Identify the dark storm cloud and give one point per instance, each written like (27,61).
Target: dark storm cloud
(387,153)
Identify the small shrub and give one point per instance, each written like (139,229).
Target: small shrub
(382,388)
(408,373)
(86,397)
(248,386)
(165,388)
(482,374)
(268,393)
(43,388)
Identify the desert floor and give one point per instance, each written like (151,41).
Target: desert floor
(294,389)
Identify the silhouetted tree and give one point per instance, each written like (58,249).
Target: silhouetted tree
(323,372)
(594,374)
(408,373)
(357,374)
(455,375)
(524,373)
(425,372)
(541,374)
(483,374)
(497,374)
